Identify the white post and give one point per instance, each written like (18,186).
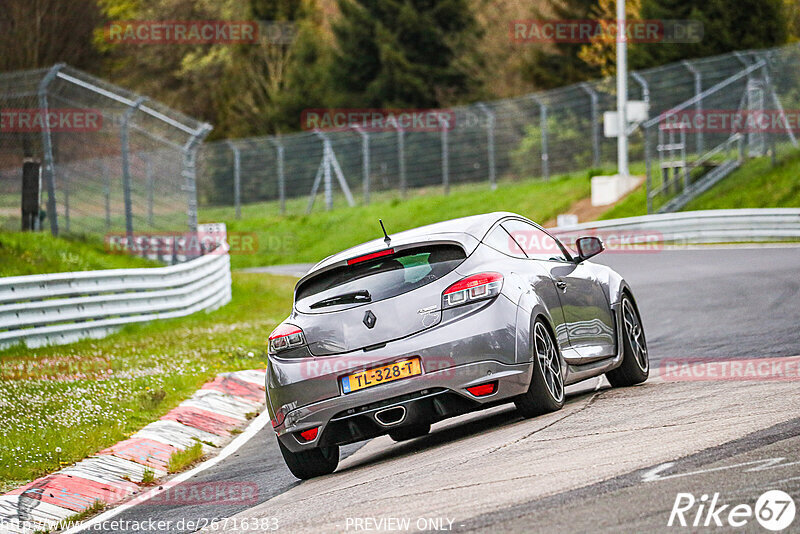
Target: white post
(622,91)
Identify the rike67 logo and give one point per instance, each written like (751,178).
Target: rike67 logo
(774,510)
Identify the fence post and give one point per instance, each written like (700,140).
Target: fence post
(237,178)
(648,165)
(364,161)
(126,169)
(445,155)
(595,124)
(47,144)
(281,180)
(698,106)
(190,172)
(401,159)
(326,172)
(490,124)
(65,182)
(778,105)
(543,127)
(148,172)
(106,192)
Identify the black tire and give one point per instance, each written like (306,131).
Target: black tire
(546,391)
(311,463)
(405,433)
(635,366)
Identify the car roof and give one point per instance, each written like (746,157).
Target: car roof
(466,230)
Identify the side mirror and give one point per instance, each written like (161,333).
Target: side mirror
(588,247)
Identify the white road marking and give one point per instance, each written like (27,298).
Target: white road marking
(759,465)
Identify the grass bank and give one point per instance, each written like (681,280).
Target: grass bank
(61,404)
(756,184)
(309,238)
(38,253)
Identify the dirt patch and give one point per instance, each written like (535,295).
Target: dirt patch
(586,212)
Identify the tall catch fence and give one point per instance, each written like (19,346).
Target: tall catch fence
(107,160)
(534,136)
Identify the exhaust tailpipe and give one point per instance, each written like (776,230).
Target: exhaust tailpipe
(391,416)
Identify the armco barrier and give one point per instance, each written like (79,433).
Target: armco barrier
(51,309)
(690,227)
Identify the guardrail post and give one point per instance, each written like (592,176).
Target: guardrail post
(126,169)
(190,172)
(490,124)
(237,178)
(593,102)
(364,161)
(543,127)
(49,168)
(276,141)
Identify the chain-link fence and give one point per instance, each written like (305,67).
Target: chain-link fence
(535,136)
(106,160)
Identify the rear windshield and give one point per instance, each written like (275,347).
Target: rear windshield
(378,279)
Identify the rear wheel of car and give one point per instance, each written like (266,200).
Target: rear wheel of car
(410,432)
(635,361)
(546,391)
(311,463)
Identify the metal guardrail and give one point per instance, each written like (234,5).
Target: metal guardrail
(695,227)
(52,309)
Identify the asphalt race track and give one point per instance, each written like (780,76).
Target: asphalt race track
(611,460)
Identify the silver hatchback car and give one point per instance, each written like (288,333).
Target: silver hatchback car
(398,333)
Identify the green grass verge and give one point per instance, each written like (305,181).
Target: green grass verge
(38,253)
(756,184)
(180,460)
(61,404)
(301,238)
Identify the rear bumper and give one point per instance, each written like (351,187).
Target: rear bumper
(430,397)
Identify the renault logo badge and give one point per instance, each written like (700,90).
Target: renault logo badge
(370,319)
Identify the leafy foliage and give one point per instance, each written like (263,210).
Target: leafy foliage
(401,53)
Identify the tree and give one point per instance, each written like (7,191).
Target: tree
(558,64)
(601,52)
(273,80)
(40,33)
(726,27)
(402,53)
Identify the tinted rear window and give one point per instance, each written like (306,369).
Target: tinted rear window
(383,277)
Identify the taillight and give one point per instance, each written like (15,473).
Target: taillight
(310,434)
(286,336)
(476,287)
(484,389)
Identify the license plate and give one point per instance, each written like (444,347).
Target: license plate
(381,375)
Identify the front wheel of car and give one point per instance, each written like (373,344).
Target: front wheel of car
(635,366)
(546,391)
(311,463)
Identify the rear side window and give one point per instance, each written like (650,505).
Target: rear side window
(378,279)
